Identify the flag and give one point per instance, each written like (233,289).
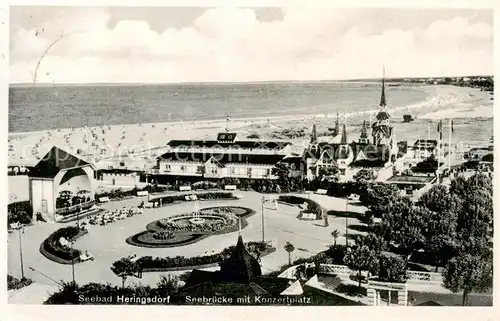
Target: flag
(440,129)
(452,130)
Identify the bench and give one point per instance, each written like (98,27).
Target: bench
(142,193)
(103,199)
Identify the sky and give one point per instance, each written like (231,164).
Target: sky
(224,44)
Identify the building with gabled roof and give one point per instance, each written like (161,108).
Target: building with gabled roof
(221,158)
(59,172)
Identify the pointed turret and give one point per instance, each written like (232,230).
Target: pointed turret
(241,266)
(364,132)
(336,130)
(343,140)
(314,135)
(382,95)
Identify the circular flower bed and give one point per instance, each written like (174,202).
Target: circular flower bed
(179,230)
(163,235)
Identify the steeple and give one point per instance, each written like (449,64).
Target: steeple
(336,130)
(314,135)
(343,140)
(363,138)
(241,266)
(382,96)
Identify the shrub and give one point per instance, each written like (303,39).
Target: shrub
(15,284)
(312,206)
(21,212)
(148,262)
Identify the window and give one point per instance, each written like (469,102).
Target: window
(268,172)
(183,168)
(200,169)
(167,168)
(232,170)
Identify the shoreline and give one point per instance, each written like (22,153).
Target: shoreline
(148,139)
(431,90)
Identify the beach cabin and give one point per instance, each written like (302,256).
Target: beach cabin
(61,183)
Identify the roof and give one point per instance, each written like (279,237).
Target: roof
(425,142)
(295,161)
(275,145)
(55,161)
(241,266)
(227,137)
(294,289)
(383,115)
(411,179)
(222,158)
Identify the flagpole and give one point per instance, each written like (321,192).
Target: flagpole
(428,138)
(449,144)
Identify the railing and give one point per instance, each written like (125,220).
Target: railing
(416,276)
(74,208)
(335,269)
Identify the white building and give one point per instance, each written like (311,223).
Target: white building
(58,172)
(221,158)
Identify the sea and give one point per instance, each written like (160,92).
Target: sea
(66,106)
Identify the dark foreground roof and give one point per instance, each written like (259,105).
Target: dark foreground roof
(55,161)
(222,158)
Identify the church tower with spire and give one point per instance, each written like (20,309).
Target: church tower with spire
(381,129)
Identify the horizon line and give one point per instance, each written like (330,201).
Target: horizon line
(42,84)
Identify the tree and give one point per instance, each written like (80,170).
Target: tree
(282,171)
(361,258)
(289,248)
(168,284)
(392,269)
(468,272)
(380,196)
(441,227)
(404,224)
(362,179)
(335,235)
(124,268)
(328,173)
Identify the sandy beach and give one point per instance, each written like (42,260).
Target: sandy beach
(140,144)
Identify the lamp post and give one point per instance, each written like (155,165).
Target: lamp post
(346,223)
(72,262)
(263,202)
(20,229)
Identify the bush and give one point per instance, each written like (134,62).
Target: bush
(208,196)
(21,212)
(15,284)
(312,206)
(150,263)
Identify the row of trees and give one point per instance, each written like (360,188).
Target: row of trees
(452,226)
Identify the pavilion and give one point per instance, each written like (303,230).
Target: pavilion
(60,183)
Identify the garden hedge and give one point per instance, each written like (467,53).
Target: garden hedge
(150,264)
(52,250)
(312,206)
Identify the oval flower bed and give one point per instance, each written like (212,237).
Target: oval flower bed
(150,264)
(54,251)
(219,220)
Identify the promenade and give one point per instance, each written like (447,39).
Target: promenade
(107,243)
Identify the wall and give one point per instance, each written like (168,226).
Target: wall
(121,179)
(42,189)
